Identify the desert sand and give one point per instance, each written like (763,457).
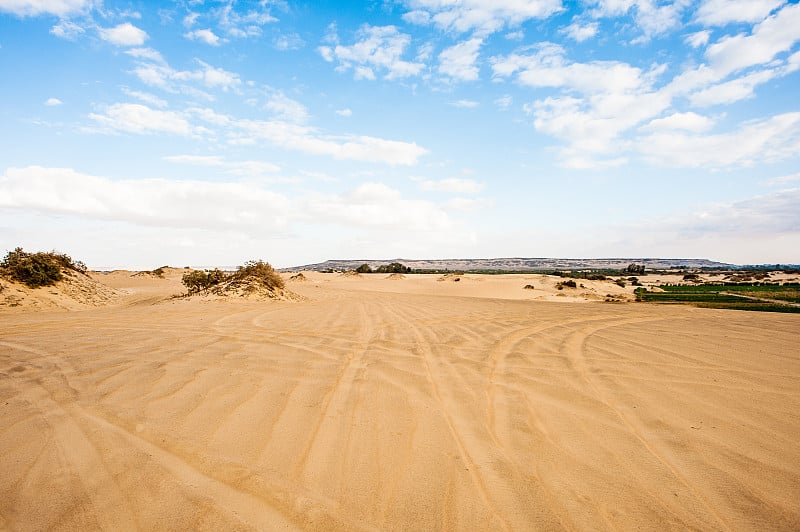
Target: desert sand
(413,403)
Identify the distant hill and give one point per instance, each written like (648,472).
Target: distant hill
(517,264)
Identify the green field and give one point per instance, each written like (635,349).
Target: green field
(771,297)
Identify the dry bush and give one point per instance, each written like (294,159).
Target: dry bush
(254,276)
(38,269)
(567,284)
(258,273)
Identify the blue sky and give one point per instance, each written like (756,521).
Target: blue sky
(136,134)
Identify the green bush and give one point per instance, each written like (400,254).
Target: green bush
(394,267)
(38,269)
(197,280)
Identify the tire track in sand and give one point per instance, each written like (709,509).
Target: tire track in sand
(574,349)
(335,400)
(496,362)
(271,507)
(475,457)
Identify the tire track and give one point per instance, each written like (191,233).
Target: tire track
(574,348)
(474,464)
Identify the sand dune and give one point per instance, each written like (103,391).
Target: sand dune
(408,404)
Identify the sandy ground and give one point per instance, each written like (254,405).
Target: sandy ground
(408,403)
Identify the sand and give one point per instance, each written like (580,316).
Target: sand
(409,404)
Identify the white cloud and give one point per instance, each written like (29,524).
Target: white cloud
(760,141)
(774,35)
(346,112)
(32,8)
(469,104)
(599,105)
(680,122)
(284,108)
(140,119)
(769,214)
(237,168)
(52,102)
(154,202)
(758,229)
(364,72)
(247,24)
(196,160)
(190,19)
(288,41)
(145,97)
(137,118)
(468,204)
(207,36)
(655,18)
(581,32)
(600,101)
(782,180)
(307,139)
(418,17)
(458,61)
(212,77)
(453,185)
(376,48)
(326,52)
(146,54)
(125,34)
(548,67)
(504,102)
(378,206)
(698,38)
(722,12)
(484,15)
(153,70)
(731,91)
(68,30)
(652,16)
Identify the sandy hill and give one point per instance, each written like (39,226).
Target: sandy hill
(75,291)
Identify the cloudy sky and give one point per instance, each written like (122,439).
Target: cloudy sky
(136,134)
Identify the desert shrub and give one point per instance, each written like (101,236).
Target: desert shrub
(620,282)
(394,267)
(216,276)
(38,269)
(567,284)
(260,272)
(528,287)
(635,268)
(596,277)
(195,281)
(364,268)
(691,277)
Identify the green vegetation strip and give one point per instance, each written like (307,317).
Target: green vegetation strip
(730,296)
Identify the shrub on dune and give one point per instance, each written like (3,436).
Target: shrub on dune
(38,269)
(256,272)
(253,276)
